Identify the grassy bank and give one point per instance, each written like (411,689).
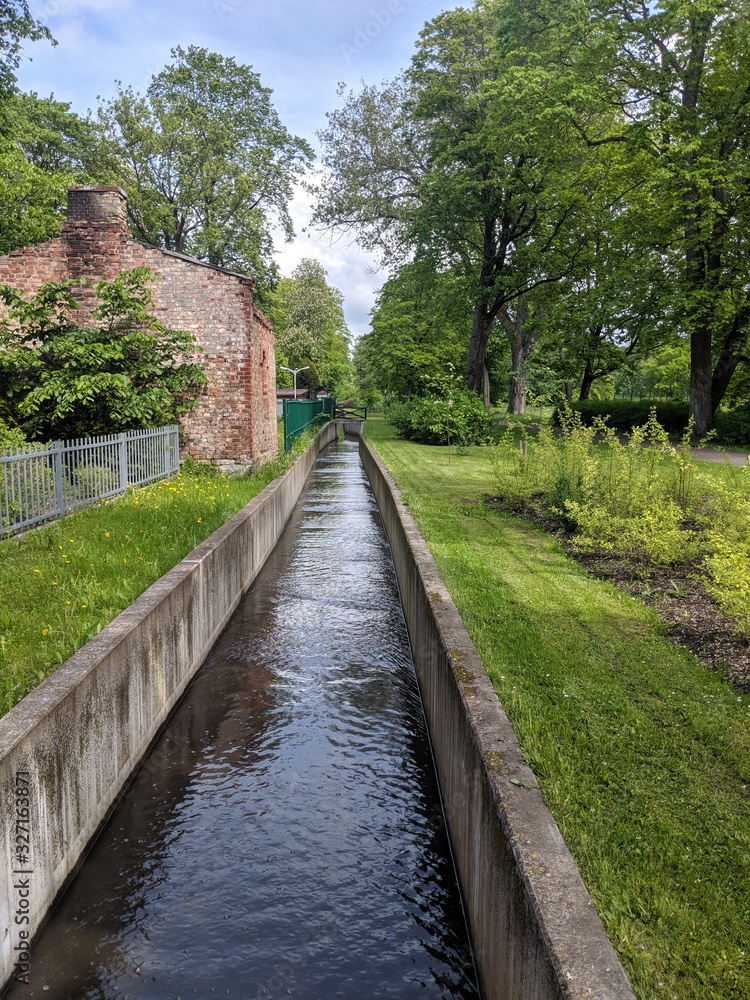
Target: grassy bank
(61,584)
(643,755)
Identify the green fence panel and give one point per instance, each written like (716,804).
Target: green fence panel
(299,414)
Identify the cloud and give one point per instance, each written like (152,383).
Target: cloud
(298,48)
(49,9)
(355,273)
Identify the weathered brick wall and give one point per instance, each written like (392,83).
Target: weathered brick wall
(235,424)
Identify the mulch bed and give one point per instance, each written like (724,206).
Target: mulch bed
(690,614)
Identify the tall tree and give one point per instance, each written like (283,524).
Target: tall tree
(16,26)
(420,324)
(206,161)
(680,73)
(472,157)
(307,315)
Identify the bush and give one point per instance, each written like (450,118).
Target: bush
(125,371)
(731,426)
(624,414)
(647,500)
(457,417)
(617,498)
(10,437)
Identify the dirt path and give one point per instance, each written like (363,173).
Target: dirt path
(721,455)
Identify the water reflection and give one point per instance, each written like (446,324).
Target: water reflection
(284,838)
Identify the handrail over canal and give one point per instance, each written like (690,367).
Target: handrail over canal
(351,413)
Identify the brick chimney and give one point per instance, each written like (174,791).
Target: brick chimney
(94,236)
(105,207)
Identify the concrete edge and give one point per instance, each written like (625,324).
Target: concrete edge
(68,749)
(535,931)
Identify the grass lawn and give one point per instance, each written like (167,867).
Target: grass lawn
(61,584)
(643,754)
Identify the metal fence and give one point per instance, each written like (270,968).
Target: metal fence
(42,481)
(299,414)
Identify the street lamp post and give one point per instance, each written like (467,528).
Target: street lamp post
(294,372)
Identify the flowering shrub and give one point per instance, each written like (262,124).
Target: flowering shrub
(646,499)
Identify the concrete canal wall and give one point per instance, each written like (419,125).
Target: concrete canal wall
(68,749)
(535,932)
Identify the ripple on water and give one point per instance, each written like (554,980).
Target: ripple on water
(285,835)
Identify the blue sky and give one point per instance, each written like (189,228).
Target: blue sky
(301,50)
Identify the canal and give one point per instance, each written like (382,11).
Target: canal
(284,837)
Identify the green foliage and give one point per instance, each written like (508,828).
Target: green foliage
(16,25)
(727,542)
(307,316)
(668,370)
(450,415)
(420,324)
(679,72)
(469,160)
(44,149)
(10,436)
(124,372)
(206,161)
(596,152)
(646,500)
(733,426)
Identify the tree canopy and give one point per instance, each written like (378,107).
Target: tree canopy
(44,149)
(596,149)
(205,160)
(17,25)
(419,328)
(473,169)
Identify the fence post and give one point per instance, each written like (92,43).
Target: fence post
(57,475)
(123,449)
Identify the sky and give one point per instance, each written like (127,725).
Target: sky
(302,50)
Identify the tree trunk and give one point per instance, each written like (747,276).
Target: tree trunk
(487,401)
(522,338)
(519,378)
(480,335)
(700,380)
(485,310)
(731,354)
(587,381)
(519,385)
(699,265)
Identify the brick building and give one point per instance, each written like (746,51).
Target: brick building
(235,424)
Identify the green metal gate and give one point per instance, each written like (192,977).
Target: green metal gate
(299,414)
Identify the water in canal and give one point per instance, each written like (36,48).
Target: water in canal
(284,837)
